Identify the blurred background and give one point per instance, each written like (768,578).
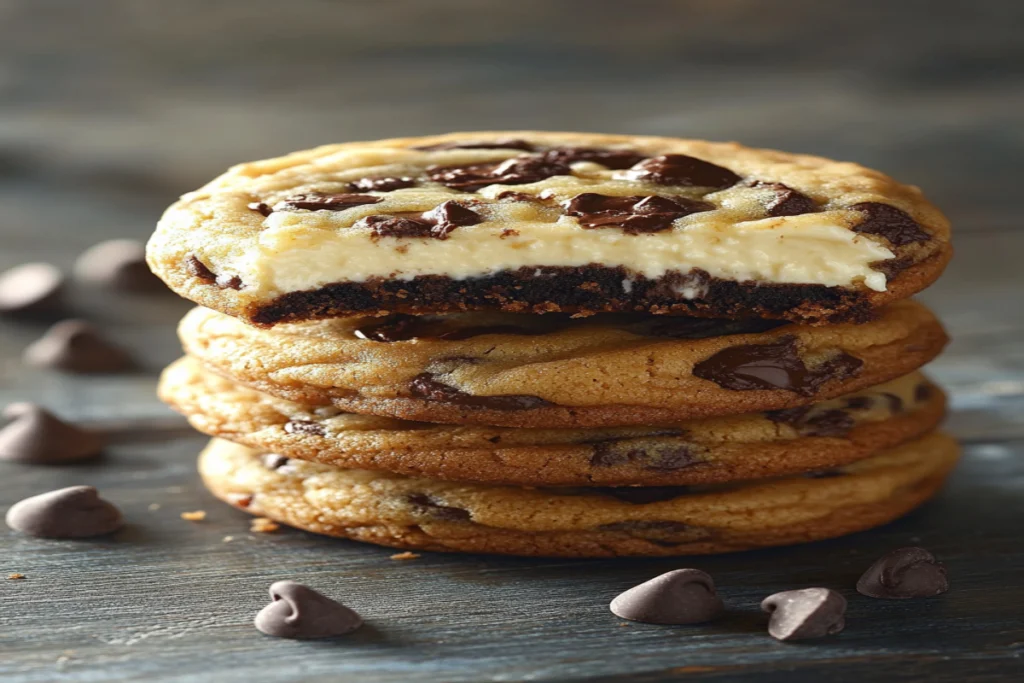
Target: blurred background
(110,109)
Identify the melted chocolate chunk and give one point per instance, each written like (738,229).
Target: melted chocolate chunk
(448,216)
(616,159)
(515,171)
(859,402)
(426,387)
(229,282)
(664,457)
(891,267)
(634,215)
(260,208)
(382,184)
(923,392)
(827,423)
(787,201)
(436,223)
(684,171)
(316,201)
(642,495)
(199,270)
(509,143)
(272,461)
(425,504)
(895,402)
(889,222)
(776,365)
(304,427)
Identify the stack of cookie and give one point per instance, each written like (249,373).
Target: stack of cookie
(560,344)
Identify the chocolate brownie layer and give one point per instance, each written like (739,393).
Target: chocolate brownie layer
(522,370)
(542,222)
(428,514)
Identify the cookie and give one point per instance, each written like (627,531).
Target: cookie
(428,514)
(519,370)
(550,222)
(814,438)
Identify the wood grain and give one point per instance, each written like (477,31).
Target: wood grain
(112,108)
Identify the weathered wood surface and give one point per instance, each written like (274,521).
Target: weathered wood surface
(109,109)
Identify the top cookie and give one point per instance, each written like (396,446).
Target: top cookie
(542,222)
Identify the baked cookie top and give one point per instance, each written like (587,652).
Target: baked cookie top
(539,222)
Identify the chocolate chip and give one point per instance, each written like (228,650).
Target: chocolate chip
(805,613)
(317,201)
(199,270)
(425,386)
(889,222)
(651,456)
(615,159)
(633,215)
(514,171)
(683,170)
(260,208)
(859,402)
(823,423)
(229,282)
(683,596)
(895,402)
(786,201)
(382,184)
(923,392)
(904,573)
(273,461)
(299,612)
(891,267)
(30,287)
(38,437)
(436,223)
(74,512)
(118,264)
(775,365)
(448,216)
(506,143)
(642,495)
(304,427)
(428,505)
(77,346)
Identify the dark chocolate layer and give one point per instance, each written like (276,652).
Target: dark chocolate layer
(586,289)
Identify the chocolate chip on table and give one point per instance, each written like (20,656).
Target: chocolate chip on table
(615,159)
(805,613)
(889,222)
(317,201)
(35,436)
(683,171)
(429,505)
(506,143)
(77,346)
(381,184)
(73,512)
(683,596)
(30,287)
(118,264)
(904,573)
(775,365)
(634,215)
(299,612)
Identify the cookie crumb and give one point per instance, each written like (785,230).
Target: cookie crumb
(228,539)
(15,577)
(264,525)
(405,556)
(197,516)
(153,507)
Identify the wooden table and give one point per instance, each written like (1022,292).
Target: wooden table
(110,109)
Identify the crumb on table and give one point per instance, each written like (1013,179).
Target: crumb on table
(264,525)
(405,556)
(15,576)
(196,516)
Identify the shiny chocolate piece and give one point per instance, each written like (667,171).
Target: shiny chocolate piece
(904,573)
(615,159)
(683,596)
(633,215)
(118,265)
(30,287)
(775,365)
(429,505)
(436,223)
(448,216)
(317,201)
(425,386)
(683,171)
(889,222)
(515,171)
(299,612)
(35,436)
(505,143)
(381,184)
(78,346)
(805,613)
(824,423)
(73,512)
(786,201)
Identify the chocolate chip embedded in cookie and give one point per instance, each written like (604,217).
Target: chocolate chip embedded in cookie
(428,514)
(562,222)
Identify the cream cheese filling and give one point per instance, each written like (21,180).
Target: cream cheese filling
(297,253)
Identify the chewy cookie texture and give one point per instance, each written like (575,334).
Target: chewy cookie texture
(549,222)
(564,344)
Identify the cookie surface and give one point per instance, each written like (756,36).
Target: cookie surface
(815,438)
(544,222)
(500,369)
(433,515)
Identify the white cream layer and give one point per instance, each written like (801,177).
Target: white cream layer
(297,253)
